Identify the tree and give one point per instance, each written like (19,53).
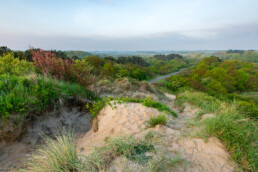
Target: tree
(139,74)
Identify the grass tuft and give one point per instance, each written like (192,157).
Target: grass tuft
(161,119)
(55,155)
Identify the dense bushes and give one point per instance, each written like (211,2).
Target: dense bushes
(218,77)
(166,65)
(14,66)
(50,64)
(25,95)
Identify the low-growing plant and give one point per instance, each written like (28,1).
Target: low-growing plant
(100,104)
(161,119)
(129,147)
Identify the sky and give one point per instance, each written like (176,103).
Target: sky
(132,25)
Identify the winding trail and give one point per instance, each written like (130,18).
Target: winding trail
(164,76)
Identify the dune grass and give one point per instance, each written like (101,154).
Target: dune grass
(238,132)
(161,119)
(57,154)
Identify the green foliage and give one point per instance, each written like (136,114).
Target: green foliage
(34,94)
(229,125)
(218,78)
(14,66)
(248,108)
(166,65)
(175,82)
(97,106)
(83,72)
(139,74)
(161,119)
(79,54)
(248,56)
(100,104)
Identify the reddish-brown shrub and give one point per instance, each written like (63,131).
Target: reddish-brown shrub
(50,64)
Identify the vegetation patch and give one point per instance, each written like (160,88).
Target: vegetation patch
(161,119)
(230,125)
(100,104)
(34,94)
(24,97)
(57,154)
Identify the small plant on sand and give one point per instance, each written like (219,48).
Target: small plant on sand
(161,119)
(129,147)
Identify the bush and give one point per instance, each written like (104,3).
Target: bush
(175,82)
(139,74)
(83,73)
(160,119)
(248,108)
(13,66)
(50,64)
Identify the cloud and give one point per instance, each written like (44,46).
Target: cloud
(244,36)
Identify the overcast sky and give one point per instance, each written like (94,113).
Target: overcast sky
(129,24)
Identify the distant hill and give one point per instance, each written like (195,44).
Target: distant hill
(80,54)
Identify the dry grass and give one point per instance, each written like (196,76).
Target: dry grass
(55,155)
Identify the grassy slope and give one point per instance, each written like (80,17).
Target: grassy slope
(234,129)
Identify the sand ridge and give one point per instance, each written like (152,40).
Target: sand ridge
(130,119)
(125,119)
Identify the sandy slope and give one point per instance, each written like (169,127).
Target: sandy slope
(125,119)
(129,119)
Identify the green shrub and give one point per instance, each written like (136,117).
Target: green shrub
(14,66)
(83,73)
(175,82)
(160,119)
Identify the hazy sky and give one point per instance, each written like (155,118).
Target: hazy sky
(129,24)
